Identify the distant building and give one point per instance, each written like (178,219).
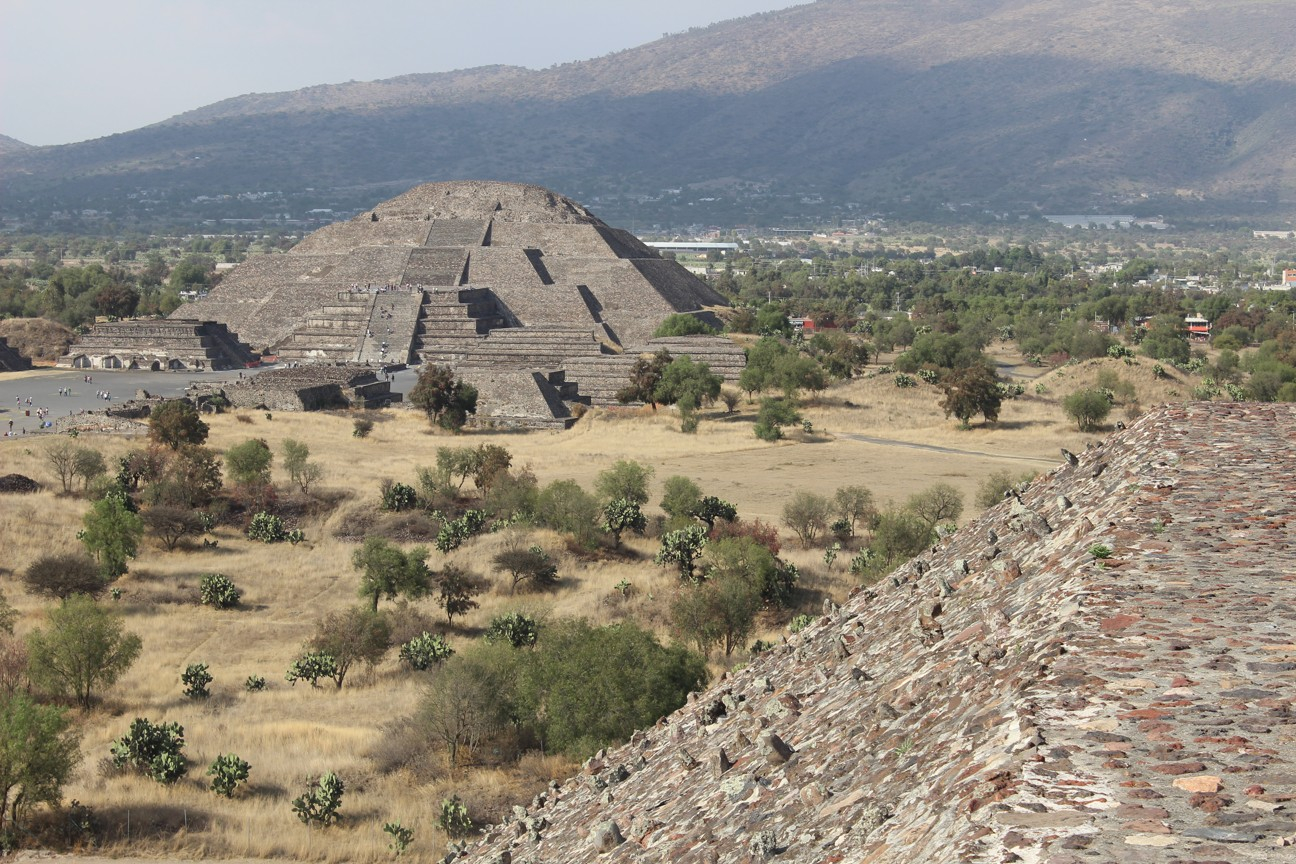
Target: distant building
(1289,279)
(802,325)
(1199,329)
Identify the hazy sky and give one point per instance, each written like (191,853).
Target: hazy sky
(71,70)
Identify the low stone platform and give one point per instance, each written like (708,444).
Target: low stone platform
(171,344)
(312,388)
(520,398)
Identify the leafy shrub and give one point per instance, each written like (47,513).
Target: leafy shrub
(425,651)
(311,667)
(454,819)
(152,749)
(514,629)
(800,622)
(1088,408)
(398,496)
(266,528)
(621,515)
(401,836)
(455,532)
(531,565)
(1100,551)
(904,381)
(61,576)
(218,591)
(227,772)
(682,548)
(254,683)
(860,564)
(362,427)
(995,485)
(196,678)
(320,802)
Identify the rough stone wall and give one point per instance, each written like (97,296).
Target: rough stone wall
(515,397)
(11,360)
(164,344)
(1008,696)
(310,388)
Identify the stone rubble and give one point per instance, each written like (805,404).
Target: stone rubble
(1062,708)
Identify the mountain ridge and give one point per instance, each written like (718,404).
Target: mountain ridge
(1006,102)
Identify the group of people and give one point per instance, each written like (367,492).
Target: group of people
(369,288)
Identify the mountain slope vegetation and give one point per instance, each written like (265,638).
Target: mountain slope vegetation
(997,102)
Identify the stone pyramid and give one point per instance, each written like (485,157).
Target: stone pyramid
(438,271)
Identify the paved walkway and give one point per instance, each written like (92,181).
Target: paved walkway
(43,386)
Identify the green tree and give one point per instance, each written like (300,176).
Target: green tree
(192,272)
(750,560)
(296,461)
(176,423)
(992,488)
(971,390)
(456,462)
(622,515)
(758,374)
(682,548)
(1088,408)
(719,610)
(111,535)
(446,400)
(688,386)
(456,588)
(807,514)
(773,415)
(353,635)
(492,461)
(710,508)
(531,565)
(683,324)
(898,536)
(88,464)
(38,750)
(645,375)
(625,479)
(388,572)
(82,649)
(248,465)
(680,496)
(564,506)
(587,687)
(772,321)
(1166,340)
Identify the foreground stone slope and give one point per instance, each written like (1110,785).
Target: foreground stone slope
(1008,696)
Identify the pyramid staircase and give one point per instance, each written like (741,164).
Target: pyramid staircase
(453,321)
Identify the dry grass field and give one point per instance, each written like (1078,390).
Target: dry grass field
(291,733)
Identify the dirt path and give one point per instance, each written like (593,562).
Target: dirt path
(890,442)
